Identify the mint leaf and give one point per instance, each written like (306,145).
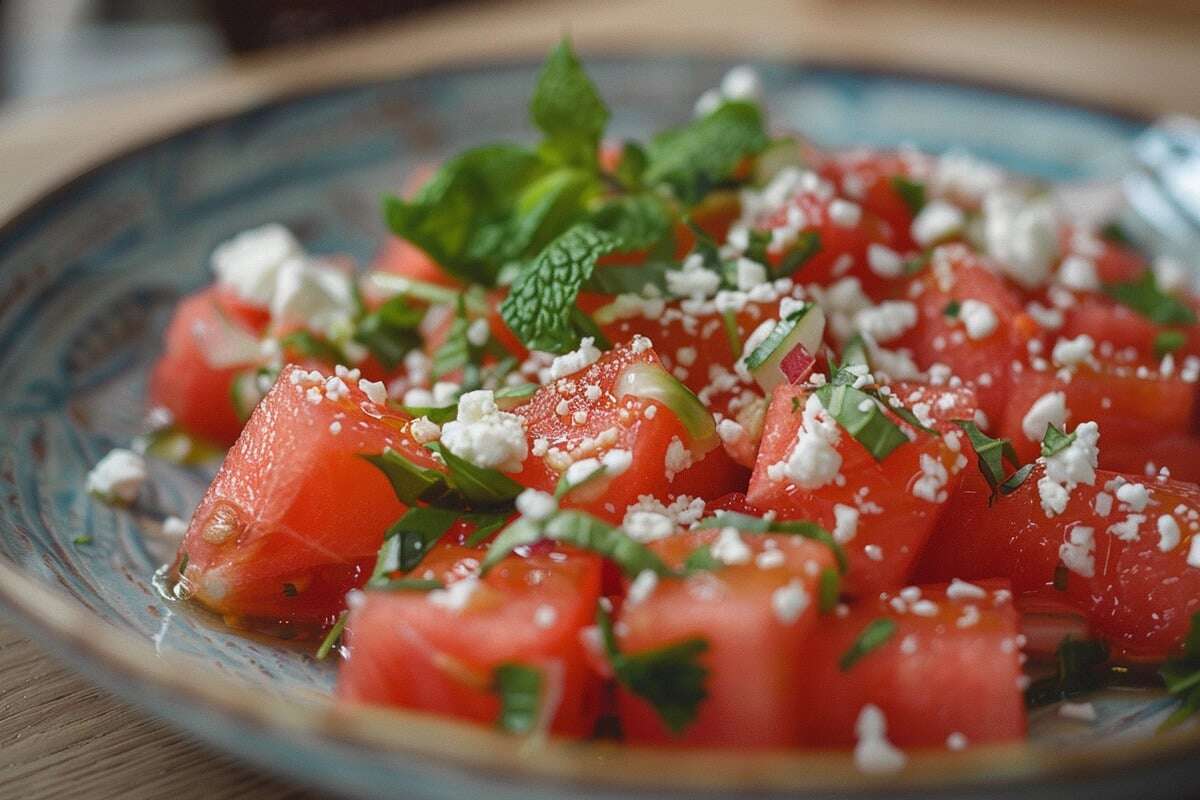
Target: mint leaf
(640,220)
(875,635)
(409,539)
(520,690)
(696,157)
(1144,297)
(829,590)
(480,487)
(911,192)
(579,530)
(990,455)
(670,678)
(332,638)
(409,585)
(540,304)
(546,208)
(631,279)
(632,166)
(807,245)
(390,331)
(1055,441)
(872,428)
(463,486)
(1182,676)
(308,345)
(1168,342)
(567,108)
(454,216)
(1080,667)
(701,560)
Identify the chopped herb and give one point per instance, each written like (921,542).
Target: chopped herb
(1055,441)
(520,690)
(640,221)
(462,486)
(438,414)
(568,109)
(952,308)
(911,192)
(778,334)
(874,636)
(456,351)
(409,585)
(183,562)
(1168,342)
(756,249)
(1115,232)
(795,405)
(632,166)
(916,264)
(807,245)
(670,678)
(1144,297)
(696,157)
(289,590)
(751,524)
(82,538)
(991,455)
(579,530)
(872,428)
(729,321)
(390,331)
(701,560)
(829,589)
(409,538)
(482,488)
(629,279)
(308,345)
(1182,676)
(539,306)
(1014,481)
(1079,669)
(333,637)
(487,524)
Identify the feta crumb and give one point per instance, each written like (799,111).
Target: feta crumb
(730,549)
(641,588)
(1168,533)
(884,261)
(478,333)
(118,477)
(874,753)
(789,602)
(574,361)
(962,590)
(845,523)
(845,213)
(978,318)
(1069,352)
(535,505)
(424,430)
(248,264)
(616,462)
(1022,235)
(1077,552)
(1083,712)
(677,459)
(1135,495)
(1078,273)
(813,462)
(750,274)
(309,294)
(956,741)
(484,435)
(1049,409)
(886,321)
(1074,465)
(457,595)
(544,616)
(938,220)
(375,391)
(930,485)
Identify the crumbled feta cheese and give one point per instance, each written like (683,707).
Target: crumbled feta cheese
(375,391)
(574,361)
(457,595)
(845,523)
(693,279)
(813,461)
(886,321)
(1077,552)
(1168,533)
(1078,273)
(874,753)
(478,333)
(248,264)
(1022,235)
(118,477)
(937,221)
(544,616)
(956,741)
(978,318)
(677,459)
(884,261)
(1083,712)
(1172,275)
(962,590)
(750,274)
(1135,495)
(647,526)
(845,213)
(930,485)
(730,549)
(741,83)
(424,430)
(1127,529)
(1069,352)
(1049,409)
(535,505)
(1074,465)
(314,296)
(789,602)
(1103,504)
(616,462)
(485,435)
(641,588)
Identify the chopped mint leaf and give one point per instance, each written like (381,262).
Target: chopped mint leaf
(456,351)
(482,488)
(520,690)
(751,524)
(579,530)
(410,482)
(701,560)
(564,486)
(872,428)
(454,216)
(670,678)
(696,157)
(757,243)
(1182,676)
(855,353)
(438,414)
(409,585)
(82,539)
(1055,441)
(952,309)
(546,208)
(911,192)
(1168,342)
(308,345)
(875,635)
(409,539)
(640,220)
(829,589)
(917,263)
(1115,232)
(540,304)
(990,455)
(509,397)
(631,279)
(486,525)
(332,637)
(730,323)
(1144,297)
(568,109)
(807,245)
(778,334)
(632,166)
(390,331)
(1080,667)
(462,486)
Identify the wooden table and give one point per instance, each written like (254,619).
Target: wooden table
(59,736)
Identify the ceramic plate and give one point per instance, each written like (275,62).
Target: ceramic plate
(88,277)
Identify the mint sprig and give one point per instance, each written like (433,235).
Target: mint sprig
(695,158)
(568,109)
(991,455)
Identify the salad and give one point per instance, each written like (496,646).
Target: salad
(716,440)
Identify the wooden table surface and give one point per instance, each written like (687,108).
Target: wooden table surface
(59,736)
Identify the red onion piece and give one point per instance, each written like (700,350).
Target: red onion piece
(797,364)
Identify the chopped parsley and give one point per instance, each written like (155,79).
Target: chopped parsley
(875,635)
(670,678)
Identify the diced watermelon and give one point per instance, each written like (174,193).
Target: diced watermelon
(295,516)
(951,666)
(884,524)
(1138,597)
(755,619)
(207,346)
(429,652)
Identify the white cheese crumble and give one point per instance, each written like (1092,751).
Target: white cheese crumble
(248,264)
(1193,557)
(314,296)
(677,459)
(886,321)
(978,318)
(457,595)
(1022,235)
(693,279)
(424,430)
(1069,352)
(478,333)
(884,261)
(1077,553)
(1168,533)
(845,525)
(1078,273)
(937,221)
(813,461)
(873,752)
(118,477)
(1074,465)
(574,361)
(730,549)
(789,601)
(962,590)
(375,391)
(1050,408)
(930,485)
(750,274)
(544,616)
(641,588)
(1135,495)
(845,213)
(485,435)
(535,505)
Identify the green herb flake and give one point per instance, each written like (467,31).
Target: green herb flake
(875,635)
(911,192)
(952,309)
(579,530)
(1182,676)
(1080,667)
(696,157)
(82,539)
(568,109)
(829,590)
(332,637)
(390,331)
(991,455)
(183,562)
(670,678)
(519,688)
(1168,342)
(807,245)
(701,560)
(1144,297)
(747,523)
(1055,441)
(409,585)
(408,540)
(871,428)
